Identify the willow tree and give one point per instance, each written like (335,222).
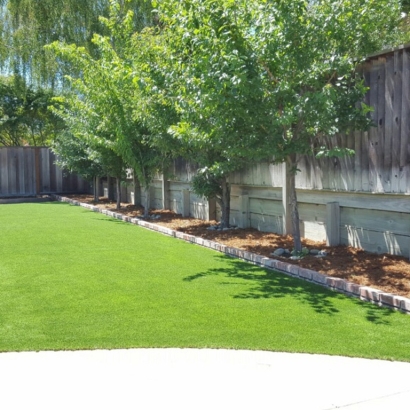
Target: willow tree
(28,25)
(24,115)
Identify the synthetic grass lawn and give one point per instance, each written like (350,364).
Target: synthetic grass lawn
(74,279)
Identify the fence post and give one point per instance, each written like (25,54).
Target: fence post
(332,224)
(244,221)
(185,202)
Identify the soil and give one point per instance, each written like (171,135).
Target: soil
(382,271)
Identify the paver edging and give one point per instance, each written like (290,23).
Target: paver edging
(364,293)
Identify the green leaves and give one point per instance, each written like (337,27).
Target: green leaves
(265,79)
(25,118)
(105,109)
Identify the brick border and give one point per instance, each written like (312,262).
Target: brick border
(364,293)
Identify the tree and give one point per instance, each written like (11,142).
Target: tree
(309,55)
(211,75)
(291,67)
(106,106)
(28,25)
(25,118)
(83,147)
(75,156)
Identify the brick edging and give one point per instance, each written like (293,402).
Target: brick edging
(364,293)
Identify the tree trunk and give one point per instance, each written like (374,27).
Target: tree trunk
(118,185)
(110,187)
(291,160)
(137,189)
(147,200)
(225,203)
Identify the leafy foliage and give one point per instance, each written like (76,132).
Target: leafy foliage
(267,79)
(25,118)
(29,25)
(105,109)
(212,78)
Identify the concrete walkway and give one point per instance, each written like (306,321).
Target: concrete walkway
(199,379)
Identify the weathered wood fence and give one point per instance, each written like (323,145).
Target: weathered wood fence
(30,171)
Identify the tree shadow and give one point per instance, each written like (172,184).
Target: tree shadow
(273,284)
(377,314)
(110,219)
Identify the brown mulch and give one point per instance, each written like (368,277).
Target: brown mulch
(385,272)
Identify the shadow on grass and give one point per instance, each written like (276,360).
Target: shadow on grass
(377,314)
(107,218)
(272,284)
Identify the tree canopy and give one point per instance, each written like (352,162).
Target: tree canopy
(271,76)
(28,25)
(105,108)
(222,82)
(25,118)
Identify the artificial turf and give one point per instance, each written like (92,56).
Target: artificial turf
(74,279)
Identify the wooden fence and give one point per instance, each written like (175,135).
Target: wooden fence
(30,171)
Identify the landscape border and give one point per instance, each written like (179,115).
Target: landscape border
(364,293)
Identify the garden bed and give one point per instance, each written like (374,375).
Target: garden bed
(385,272)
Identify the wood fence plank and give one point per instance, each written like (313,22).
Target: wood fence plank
(350,162)
(324,166)
(29,172)
(373,142)
(340,143)
(21,174)
(315,181)
(301,176)
(37,166)
(389,121)
(358,135)
(364,159)
(12,160)
(62,180)
(330,167)
(45,170)
(4,172)
(52,171)
(404,170)
(397,111)
(365,162)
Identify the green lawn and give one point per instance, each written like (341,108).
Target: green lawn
(74,279)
